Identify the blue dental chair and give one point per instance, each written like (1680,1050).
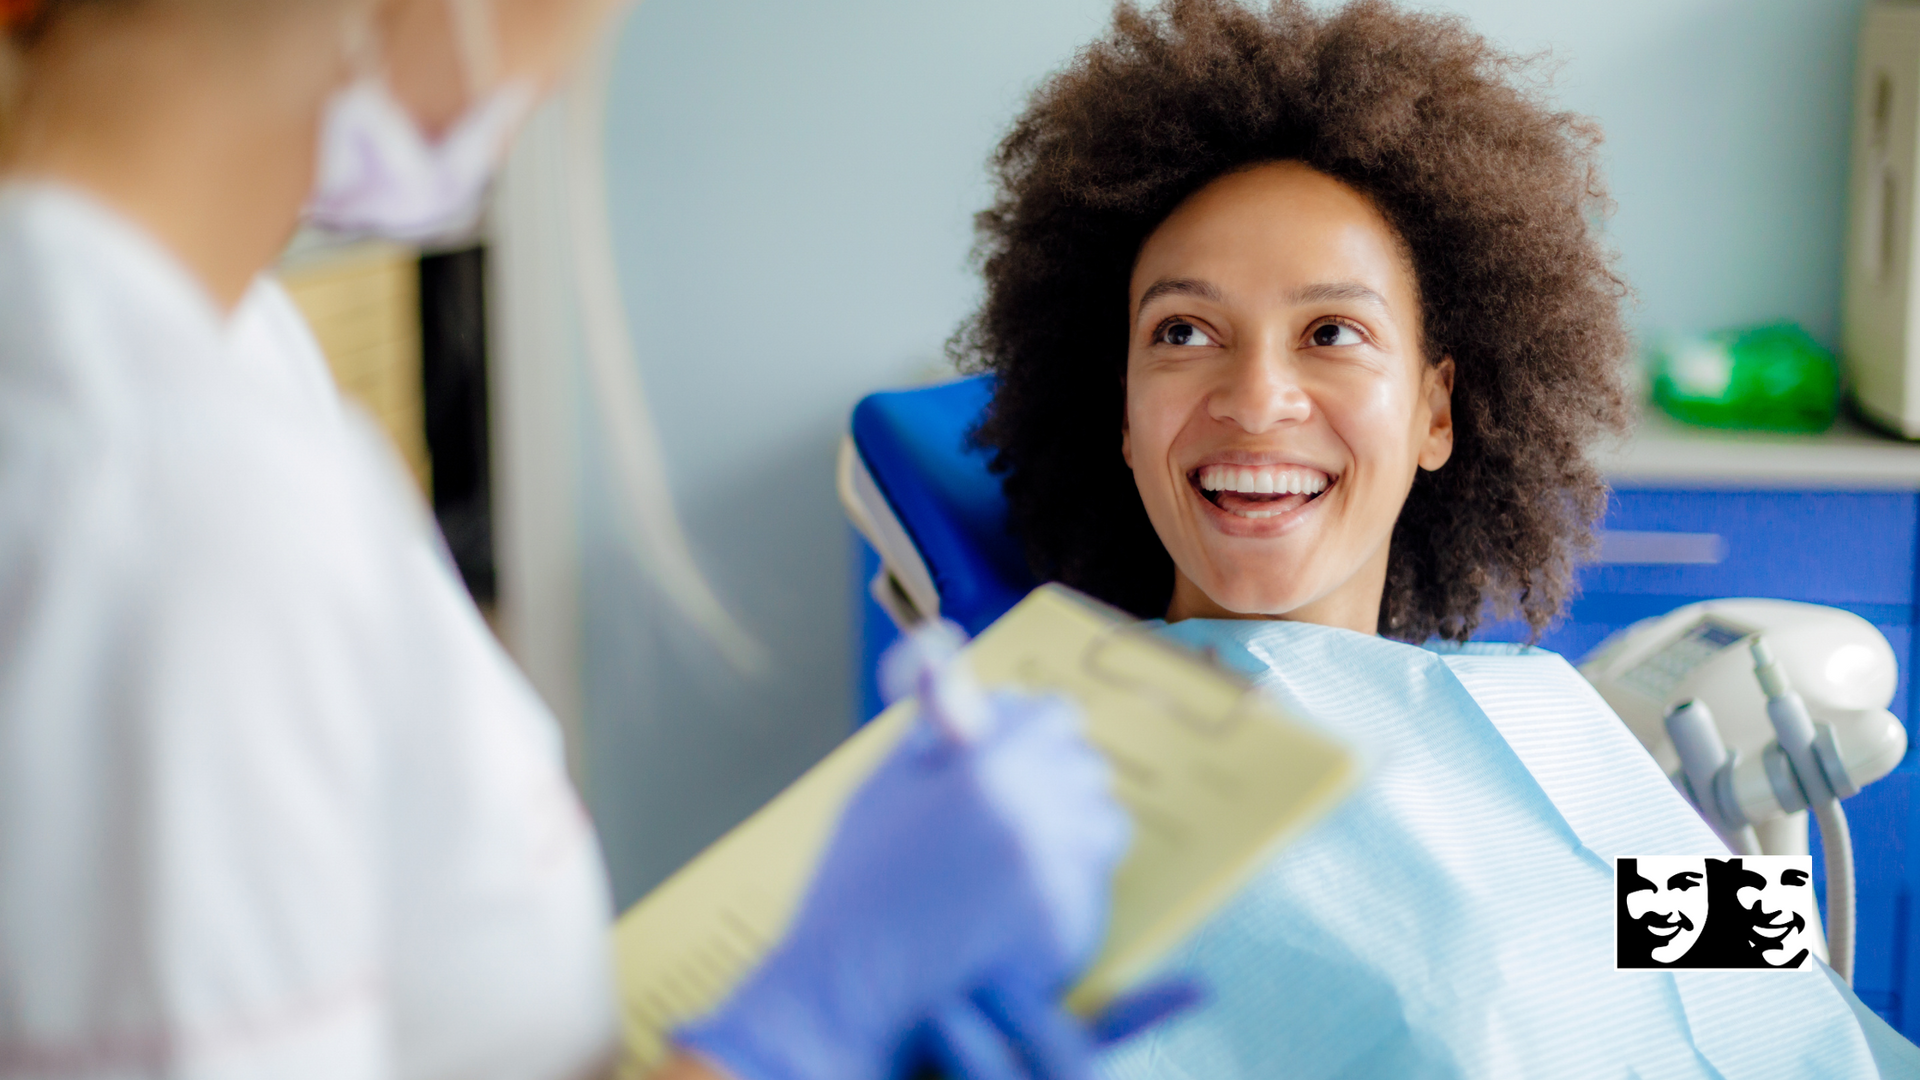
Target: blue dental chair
(934,540)
(931,518)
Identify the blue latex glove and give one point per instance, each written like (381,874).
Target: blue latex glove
(968,880)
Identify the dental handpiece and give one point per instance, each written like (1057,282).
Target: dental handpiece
(1793,727)
(1808,749)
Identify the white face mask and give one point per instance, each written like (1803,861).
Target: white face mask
(378,174)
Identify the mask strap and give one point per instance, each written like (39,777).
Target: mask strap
(477,41)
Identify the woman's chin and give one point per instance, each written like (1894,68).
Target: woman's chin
(1252,596)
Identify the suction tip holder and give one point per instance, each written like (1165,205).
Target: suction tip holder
(1802,768)
(1706,774)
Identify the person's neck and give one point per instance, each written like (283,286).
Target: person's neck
(204,136)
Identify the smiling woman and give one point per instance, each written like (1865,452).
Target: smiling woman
(1360,223)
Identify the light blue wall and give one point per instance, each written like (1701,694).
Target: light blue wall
(1727,123)
(793,186)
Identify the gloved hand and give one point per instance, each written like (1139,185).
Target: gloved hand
(966,884)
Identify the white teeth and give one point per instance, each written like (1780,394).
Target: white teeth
(1264,480)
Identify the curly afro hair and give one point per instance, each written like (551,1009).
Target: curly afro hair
(1493,194)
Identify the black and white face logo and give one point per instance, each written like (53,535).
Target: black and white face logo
(1690,912)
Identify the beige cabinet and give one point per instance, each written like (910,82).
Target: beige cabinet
(363,301)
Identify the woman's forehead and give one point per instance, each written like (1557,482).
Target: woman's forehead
(1277,233)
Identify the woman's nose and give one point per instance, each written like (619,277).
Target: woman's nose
(1261,390)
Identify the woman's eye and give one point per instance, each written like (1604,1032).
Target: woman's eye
(1333,333)
(1184,333)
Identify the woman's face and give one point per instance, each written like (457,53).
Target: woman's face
(1278,399)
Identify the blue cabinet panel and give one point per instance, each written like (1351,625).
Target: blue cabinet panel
(1828,547)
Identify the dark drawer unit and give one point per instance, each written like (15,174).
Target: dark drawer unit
(1664,547)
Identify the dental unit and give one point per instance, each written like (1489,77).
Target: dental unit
(1759,711)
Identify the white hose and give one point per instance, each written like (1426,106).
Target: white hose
(641,490)
(1838,845)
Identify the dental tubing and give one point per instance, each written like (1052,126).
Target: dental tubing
(1804,756)
(1837,842)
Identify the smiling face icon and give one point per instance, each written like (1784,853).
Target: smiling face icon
(1773,903)
(1667,901)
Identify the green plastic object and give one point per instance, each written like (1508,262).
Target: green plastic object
(1758,378)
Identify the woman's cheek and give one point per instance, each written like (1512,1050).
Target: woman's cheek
(1374,417)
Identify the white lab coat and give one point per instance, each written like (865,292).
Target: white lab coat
(272,801)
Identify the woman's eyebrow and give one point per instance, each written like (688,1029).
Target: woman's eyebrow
(1319,293)
(1329,292)
(1205,290)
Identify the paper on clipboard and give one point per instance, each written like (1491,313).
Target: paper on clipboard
(1214,775)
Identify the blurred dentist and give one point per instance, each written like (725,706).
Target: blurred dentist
(272,802)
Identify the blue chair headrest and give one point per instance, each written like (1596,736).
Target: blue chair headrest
(917,445)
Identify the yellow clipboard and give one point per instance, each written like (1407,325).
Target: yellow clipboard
(1215,777)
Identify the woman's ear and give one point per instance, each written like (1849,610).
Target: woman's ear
(1437,382)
